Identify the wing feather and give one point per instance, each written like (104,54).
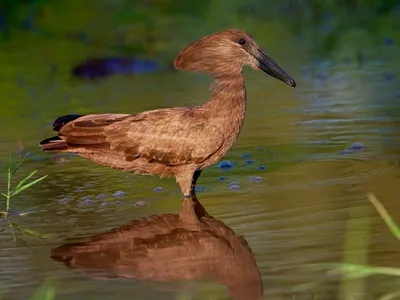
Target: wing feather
(167,136)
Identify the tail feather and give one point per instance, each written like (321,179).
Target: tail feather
(87,133)
(85,140)
(61,121)
(54,143)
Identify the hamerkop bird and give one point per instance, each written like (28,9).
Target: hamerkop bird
(162,248)
(180,141)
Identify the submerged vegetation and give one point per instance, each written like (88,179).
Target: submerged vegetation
(352,272)
(9,195)
(46,291)
(355,269)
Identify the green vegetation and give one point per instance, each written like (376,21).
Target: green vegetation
(11,192)
(355,269)
(385,216)
(46,291)
(356,272)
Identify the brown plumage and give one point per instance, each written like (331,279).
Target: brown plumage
(177,142)
(165,248)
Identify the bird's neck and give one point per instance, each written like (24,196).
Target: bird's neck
(227,107)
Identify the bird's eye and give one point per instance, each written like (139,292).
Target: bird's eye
(242,42)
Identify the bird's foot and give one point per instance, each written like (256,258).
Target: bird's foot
(188,213)
(198,208)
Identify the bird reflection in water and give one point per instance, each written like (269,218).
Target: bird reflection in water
(186,246)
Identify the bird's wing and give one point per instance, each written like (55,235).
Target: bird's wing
(167,136)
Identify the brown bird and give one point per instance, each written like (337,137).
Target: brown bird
(163,248)
(181,141)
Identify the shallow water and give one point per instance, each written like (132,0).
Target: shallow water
(296,190)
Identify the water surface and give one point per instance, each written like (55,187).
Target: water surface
(297,190)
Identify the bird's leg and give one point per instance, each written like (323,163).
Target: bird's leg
(185,183)
(191,210)
(198,208)
(196,176)
(188,184)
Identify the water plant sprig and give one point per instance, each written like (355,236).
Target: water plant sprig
(21,186)
(350,271)
(11,192)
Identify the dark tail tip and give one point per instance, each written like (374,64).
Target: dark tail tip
(61,121)
(49,140)
(53,143)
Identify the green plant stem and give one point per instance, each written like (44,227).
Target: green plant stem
(8,192)
(359,271)
(12,229)
(11,192)
(390,223)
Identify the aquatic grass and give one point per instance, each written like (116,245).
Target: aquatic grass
(21,186)
(25,183)
(354,270)
(390,223)
(46,291)
(12,168)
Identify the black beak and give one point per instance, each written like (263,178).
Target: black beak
(269,66)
